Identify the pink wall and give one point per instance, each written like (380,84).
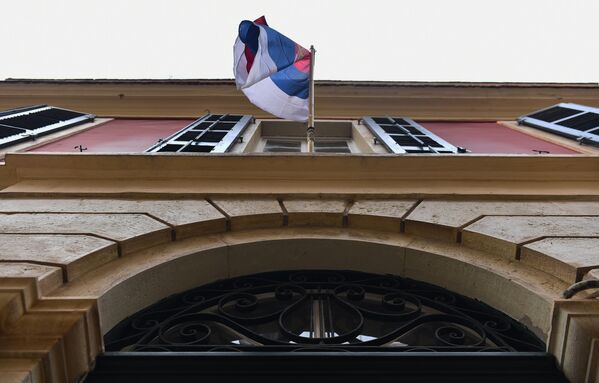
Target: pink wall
(136,135)
(119,135)
(490,137)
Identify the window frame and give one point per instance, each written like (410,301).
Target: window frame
(581,136)
(32,134)
(222,146)
(304,145)
(393,147)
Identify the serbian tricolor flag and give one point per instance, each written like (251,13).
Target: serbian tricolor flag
(272,70)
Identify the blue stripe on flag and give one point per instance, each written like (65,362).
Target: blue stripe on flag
(292,81)
(248,34)
(280,48)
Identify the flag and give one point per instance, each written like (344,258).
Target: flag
(272,71)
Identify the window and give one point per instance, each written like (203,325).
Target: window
(22,124)
(321,145)
(276,136)
(284,146)
(324,146)
(322,326)
(574,121)
(403,135)
(212,133)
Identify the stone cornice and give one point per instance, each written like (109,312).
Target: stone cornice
(334,99)
(414,175)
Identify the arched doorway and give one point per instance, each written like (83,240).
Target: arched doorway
(328,325)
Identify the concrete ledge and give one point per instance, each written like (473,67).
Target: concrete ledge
(268,174)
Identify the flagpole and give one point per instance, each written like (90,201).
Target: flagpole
(310,131)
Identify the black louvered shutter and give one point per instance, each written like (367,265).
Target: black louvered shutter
(404,135)
(22,124)
(212,133)
(574,121)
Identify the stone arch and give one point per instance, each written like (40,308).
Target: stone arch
(124,286)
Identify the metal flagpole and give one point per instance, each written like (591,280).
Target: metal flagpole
(310,131)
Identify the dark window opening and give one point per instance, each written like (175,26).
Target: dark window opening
(404,135)
(28,123)
(212,133)
(331,147)
(578,122)
(282,146)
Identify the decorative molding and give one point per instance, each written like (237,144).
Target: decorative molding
(572,177)
(190,98)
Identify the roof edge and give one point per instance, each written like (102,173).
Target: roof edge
(318,82)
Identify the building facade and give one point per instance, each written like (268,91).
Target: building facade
(161,187)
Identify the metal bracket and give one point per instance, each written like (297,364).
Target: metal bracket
(580,286)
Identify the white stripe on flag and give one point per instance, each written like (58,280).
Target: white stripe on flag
(240,63)
(263,65)
(269,97)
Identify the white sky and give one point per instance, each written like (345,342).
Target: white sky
(399,40)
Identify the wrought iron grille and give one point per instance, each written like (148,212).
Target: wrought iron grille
(321,311)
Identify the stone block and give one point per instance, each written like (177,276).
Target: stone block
(45,278)
(314,253)
(315,212)
(132,231)
(378,214)
(503,235)
(451,216)
(67,326)
(566,258)
(251,213)
(87,308)
(574,338)
(75,254)
(49,350)
(188,217)
(12,307)
(27,369)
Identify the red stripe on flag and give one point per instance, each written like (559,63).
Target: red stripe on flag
(249,55)
(261,20)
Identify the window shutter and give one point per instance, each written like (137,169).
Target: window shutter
(212,133)
(22,124)
(404,135)
(574,121)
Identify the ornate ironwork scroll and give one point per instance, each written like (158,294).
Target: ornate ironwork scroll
(320,311)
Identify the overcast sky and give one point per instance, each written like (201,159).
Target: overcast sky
(416,40)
